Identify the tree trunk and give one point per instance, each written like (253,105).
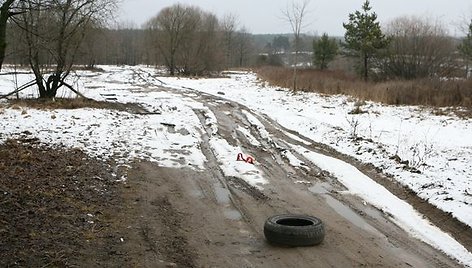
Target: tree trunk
(295,71)
(366,71)
(172,64)
(467,70)
(4,15)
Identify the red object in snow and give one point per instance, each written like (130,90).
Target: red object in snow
(249,159)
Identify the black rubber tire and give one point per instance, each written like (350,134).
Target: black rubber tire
(294,230)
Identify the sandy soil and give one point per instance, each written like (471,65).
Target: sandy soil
(163,217)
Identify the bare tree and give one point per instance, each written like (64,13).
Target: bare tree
(6,11)
(53,31)
(171,26)
(295,14)
(188,40)
(465,48)
(420,47)
(243,45)
(201,52)
(229,26)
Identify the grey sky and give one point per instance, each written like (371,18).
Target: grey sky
(265,16)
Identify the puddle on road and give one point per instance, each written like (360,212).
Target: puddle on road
(223,198)
(343,210)
(232,214)
(320,188)
(195,191)
(221,194)
(349,214)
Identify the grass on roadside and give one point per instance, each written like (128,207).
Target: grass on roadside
(427,92)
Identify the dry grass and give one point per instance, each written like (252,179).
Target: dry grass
(427,92)
(74,103)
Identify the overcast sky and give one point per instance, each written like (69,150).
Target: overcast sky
(265,16)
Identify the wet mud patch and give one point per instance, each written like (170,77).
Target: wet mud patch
(245,187)
(173,244)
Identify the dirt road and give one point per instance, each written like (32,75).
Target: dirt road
(189,218)
(60,207)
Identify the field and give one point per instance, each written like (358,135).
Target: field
(387,180)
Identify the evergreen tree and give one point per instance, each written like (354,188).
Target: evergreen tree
(465,48)
(325,50)
(364,36)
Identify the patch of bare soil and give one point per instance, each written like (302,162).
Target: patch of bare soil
(55,206)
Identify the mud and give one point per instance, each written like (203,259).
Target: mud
(222,217)
(166,217)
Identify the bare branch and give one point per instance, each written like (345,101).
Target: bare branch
(23,87)
(295,15)
(74,90)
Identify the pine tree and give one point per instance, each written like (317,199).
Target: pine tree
(325,50)
(364,36)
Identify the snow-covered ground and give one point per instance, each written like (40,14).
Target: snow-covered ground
(398,140)
(440,147)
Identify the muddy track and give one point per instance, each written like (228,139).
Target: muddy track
(460,231)
(218,219)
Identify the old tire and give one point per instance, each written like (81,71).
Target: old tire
(294,230)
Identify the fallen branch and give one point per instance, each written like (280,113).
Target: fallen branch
(23,87)
(75,91)
(15,73)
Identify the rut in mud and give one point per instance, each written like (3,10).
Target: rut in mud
(187,217)
(221,217)
(281,141)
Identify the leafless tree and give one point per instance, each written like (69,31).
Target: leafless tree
(243,45)
(171,26)
(7,10)
(53,32)
(229,26)
(128,42)
(465,46)
(295,14)
(420,47)
(201,52)
(188,39)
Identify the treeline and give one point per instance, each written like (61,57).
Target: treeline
(185,39)
(190,41)
(412,60)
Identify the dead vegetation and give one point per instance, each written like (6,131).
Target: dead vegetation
(427,92)
(73,103)
(55,205)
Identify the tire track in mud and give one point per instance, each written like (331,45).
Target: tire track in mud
(280,142)
(226,184)
(271,154)
(443,220)
(274,165)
